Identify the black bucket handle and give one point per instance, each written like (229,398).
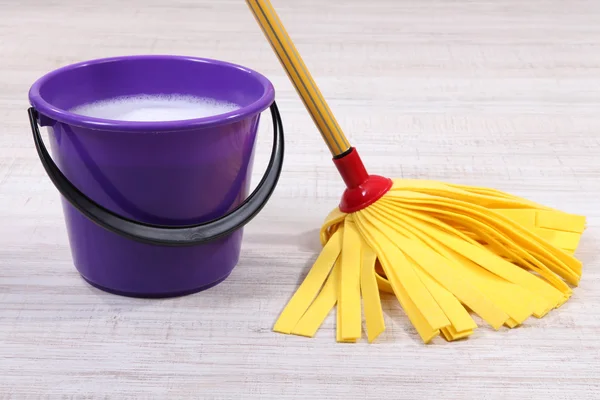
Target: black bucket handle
(163,235)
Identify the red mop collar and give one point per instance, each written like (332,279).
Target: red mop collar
(362,189)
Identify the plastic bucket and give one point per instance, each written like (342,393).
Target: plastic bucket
(155,209)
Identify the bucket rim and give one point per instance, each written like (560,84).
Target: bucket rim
(64,116)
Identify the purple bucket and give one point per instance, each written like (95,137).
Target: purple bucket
(155,209)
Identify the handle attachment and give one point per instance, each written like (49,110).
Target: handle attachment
(175,236)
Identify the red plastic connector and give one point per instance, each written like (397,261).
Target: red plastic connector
(362,189)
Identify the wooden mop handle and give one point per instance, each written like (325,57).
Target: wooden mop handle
(298,73)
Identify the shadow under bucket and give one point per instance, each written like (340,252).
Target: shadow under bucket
(155,209)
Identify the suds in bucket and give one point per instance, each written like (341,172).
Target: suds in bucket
(172,107)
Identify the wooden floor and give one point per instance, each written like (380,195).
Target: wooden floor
(501,93)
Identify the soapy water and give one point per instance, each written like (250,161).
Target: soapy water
(143,108)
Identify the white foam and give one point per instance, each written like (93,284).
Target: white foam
(154,108)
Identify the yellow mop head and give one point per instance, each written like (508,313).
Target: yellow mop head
(444,250)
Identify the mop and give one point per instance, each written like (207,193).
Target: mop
(446,251)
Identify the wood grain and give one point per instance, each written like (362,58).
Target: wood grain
(499,93)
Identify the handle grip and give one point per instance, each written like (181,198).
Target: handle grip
(160,234)
(298,73)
